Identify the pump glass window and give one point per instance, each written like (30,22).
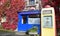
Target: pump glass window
(47,12)
(47,22)
(34,19)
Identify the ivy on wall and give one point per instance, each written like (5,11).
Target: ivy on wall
(9,9)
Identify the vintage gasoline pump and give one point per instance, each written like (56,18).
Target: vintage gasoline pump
(48,27)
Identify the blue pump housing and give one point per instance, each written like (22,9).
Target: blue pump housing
(26,26)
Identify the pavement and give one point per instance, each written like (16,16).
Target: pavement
(10,34)
(13,34)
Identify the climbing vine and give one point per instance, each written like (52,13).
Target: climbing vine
(8,11)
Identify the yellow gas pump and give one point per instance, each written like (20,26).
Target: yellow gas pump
(48,27)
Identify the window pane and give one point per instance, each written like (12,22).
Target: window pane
(31,2)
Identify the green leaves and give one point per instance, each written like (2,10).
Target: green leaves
(33,29)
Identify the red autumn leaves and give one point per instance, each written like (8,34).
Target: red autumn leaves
(8,26)
(48,2)
(9,8)
(2,2)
